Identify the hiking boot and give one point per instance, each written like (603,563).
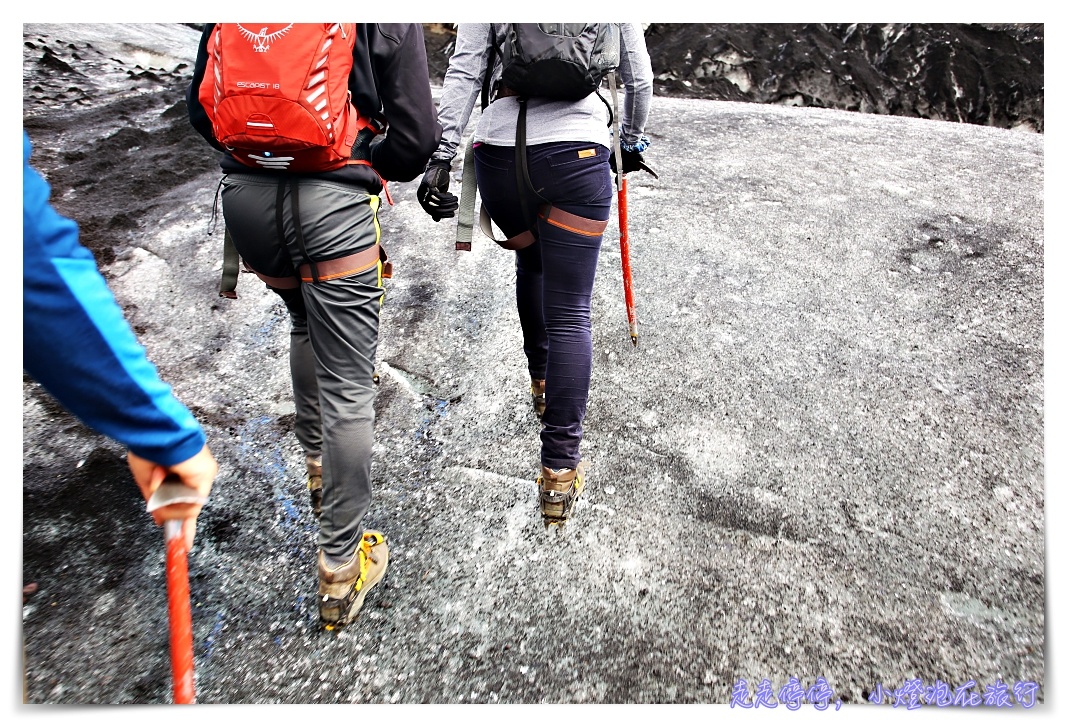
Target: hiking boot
(558,491)
(537,394)
(342,589)
(315,482)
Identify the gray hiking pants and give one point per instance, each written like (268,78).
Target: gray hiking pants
(334,329)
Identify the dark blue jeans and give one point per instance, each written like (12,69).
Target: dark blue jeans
(554,276)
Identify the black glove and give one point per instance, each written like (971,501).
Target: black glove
(361,148)
(632,162)
(433,193)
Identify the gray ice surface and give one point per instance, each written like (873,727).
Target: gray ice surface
(823,459)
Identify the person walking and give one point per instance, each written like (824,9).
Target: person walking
(78,345)
(569,165)
(314,238)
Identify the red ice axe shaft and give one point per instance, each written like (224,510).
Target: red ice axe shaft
(179,612)
(624,254)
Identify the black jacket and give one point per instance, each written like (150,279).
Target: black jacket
(390,82)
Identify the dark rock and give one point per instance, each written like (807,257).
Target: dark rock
(979,74)
(989,74)
(51,61)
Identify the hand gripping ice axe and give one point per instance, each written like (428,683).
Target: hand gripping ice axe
(170,492)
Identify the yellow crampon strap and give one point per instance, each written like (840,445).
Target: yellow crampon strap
(376,203)
(373,538)
(369,541)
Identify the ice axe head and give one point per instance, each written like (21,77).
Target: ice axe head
(173,491)
(645,167)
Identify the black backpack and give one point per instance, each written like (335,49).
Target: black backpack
(558,60)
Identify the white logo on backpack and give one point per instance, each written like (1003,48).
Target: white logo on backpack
(262,41)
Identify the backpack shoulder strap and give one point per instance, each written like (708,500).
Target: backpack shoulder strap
(465,216)
(617,130)
(465,219)
(231,267)
(494,54)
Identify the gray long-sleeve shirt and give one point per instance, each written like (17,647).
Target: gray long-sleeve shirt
(585,120)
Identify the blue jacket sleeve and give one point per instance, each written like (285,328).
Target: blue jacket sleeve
(77,343)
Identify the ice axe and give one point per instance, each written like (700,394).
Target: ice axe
(170,492)
(624,235)
(624,246)
(624,254)
(624,242)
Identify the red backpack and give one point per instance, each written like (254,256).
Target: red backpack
(278,94)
